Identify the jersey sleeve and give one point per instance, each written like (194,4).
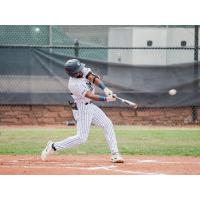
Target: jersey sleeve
(79,90)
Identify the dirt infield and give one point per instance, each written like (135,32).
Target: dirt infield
(98,164)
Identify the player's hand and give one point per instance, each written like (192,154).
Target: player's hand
(108,92)
(110,99)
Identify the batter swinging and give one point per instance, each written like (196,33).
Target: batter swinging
(81,84)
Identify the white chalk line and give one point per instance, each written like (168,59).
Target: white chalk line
(133,172)
(106,168)
(113,168)
(165,162)
(101,167)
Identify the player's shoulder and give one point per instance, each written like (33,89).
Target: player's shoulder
(85,71)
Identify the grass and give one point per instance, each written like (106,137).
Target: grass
(131,140)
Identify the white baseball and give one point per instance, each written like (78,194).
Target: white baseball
(172,92)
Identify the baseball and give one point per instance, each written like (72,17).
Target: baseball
(172,92)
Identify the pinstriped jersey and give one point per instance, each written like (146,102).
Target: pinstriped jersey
(79,86)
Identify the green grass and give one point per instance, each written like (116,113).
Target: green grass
(131,140)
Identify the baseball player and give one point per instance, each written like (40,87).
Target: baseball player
(82,84)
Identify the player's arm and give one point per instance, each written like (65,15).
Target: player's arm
(95,97)
(93,78)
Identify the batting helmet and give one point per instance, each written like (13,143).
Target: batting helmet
(73,66)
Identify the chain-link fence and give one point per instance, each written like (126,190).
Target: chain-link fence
(140,63)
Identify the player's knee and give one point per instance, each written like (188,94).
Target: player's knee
(108,123)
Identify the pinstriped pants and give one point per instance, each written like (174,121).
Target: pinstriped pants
(85,116)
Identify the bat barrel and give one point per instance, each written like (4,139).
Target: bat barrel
(127,102)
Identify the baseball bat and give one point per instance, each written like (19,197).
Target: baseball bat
(127,102)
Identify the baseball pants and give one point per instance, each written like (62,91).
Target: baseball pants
(85,116)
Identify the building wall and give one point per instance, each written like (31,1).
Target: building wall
(60,115)
(160,37)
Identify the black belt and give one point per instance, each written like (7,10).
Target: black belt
(74,106)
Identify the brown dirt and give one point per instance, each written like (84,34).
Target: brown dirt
(98,164)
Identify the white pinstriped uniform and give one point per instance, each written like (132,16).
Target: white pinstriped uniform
(87,115)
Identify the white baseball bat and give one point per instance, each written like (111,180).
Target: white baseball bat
(127,102)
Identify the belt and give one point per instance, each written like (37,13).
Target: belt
(74,105)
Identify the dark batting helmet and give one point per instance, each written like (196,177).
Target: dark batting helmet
(73,66)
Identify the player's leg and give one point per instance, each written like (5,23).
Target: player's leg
(84,119)
(101,120)
(83,127)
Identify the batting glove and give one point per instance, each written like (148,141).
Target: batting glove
(110,99)
(108,92)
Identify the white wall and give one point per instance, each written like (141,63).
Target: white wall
(161,37)
(120,37)
(174,38)
(149,57)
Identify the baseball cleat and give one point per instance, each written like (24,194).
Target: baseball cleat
(47,151)
(116,158)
